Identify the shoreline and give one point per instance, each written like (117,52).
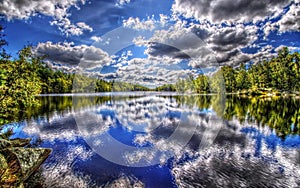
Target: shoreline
(261,94)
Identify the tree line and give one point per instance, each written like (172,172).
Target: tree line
(280,114)
(281,74)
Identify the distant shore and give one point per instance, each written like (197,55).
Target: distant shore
(266,93)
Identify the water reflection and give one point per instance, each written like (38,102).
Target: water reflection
(265,160)
(144,131)
(238,142)
(281,114)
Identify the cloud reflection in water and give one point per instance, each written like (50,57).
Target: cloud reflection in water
(218,152)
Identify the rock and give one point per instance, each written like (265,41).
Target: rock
(18,163)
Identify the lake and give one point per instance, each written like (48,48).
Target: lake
(164,140)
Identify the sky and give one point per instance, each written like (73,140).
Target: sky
(150,42)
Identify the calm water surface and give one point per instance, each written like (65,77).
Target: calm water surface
(166,140)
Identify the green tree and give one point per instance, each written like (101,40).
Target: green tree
(229,75)
(216,82)
(21,83)
(242,80)
(202,84)
(296,69)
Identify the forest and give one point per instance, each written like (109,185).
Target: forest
(28,76)
(280,74)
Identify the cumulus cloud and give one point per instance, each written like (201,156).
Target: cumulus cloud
(177,37)
(268,28)
(286,22)
(96,39)
(56,9)
(158,49)
(84,26)
(136,23)
(216,43)
(68,55)
(236,57)
(218,11)
(291,48)
(68,28)
(151,71)
(25,9)
(265,53)
(122,2)
(291,20)
(207,45)
(233,58)
(175,42)
(229,38)
(204,44)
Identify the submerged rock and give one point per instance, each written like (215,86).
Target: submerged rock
(18,163)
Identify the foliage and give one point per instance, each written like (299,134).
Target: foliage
(202,84)
(166,87)
(19,83)
(123,86)
(281,73)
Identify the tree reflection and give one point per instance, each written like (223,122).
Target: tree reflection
(281,114)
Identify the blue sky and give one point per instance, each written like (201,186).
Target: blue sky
(157,42)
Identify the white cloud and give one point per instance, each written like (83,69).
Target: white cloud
(220,43)
(122,2)
(230,38)
(233,58)
(68,55)
(287,22)
(175,41)
(58,10)
(136,23)
(24,9)
(291,48)
(67,28)
(84,26)
(203,44)
(151,71)
(163,19)
(291,20)
(229,11)
(236,57)
(96,39)
(268,28)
